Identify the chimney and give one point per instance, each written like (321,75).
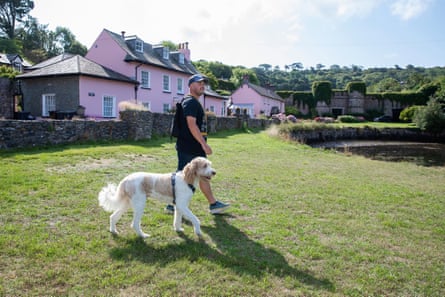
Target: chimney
(184,48)
(123,34)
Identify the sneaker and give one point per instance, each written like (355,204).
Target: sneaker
(218,207)
(169,209)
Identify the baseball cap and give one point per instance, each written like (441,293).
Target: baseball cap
(198,77)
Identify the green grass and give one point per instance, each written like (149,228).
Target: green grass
(304,222)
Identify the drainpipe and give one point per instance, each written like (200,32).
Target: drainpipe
(136,85)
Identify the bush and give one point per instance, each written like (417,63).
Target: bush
(347,119)
(408,113)
(430,118)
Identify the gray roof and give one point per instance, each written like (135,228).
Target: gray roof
(265,92)
(152,54)
(76,65)
(52,60)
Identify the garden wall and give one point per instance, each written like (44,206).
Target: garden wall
(132,125)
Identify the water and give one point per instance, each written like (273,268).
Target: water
(419,153)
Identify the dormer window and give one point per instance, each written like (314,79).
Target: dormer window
(165,53)
(181,58)
(139,46)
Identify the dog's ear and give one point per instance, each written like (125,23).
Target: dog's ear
(190,171)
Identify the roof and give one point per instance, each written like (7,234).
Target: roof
(152,54)
(52,60)
(76,65)
(265,92)
(8,58)
(210,92)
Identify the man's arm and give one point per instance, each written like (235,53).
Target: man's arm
(194,129)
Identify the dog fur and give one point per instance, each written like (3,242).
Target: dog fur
(134,190)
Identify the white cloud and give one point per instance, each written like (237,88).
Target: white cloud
(408,9)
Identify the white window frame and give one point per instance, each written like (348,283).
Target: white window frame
(139,46)
(180,87)
(48,104)
(166,83)
(147,105)
(106,112)
(181,59)
(166,107)
(145,79)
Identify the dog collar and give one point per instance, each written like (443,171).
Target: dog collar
(173,181)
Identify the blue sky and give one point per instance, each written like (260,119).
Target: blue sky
(367,33)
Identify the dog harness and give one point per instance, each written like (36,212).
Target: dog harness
(173,180)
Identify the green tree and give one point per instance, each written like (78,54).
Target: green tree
(240,74)
(11,13)
(431,118)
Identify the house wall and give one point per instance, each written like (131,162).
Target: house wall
(92,90)
(65,88)
(107,52)
(218,105)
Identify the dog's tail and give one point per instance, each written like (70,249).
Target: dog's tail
(108,198)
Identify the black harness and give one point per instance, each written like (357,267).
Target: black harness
(173,180)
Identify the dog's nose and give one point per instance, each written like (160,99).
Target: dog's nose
(213,172)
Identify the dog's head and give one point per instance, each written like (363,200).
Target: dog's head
(199,167)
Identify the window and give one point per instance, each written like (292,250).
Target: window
(147,105)
(145,79)
(139,46)
(48,104)
(212,108)
(165,53)
(181,59)
(166,83)
(108,106)
(180,89)
(166,108)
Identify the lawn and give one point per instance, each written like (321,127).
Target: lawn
(303,222)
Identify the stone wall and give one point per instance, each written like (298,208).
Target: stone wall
(364,133)
(6,98)
(133,125)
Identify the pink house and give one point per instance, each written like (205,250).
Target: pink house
(116,68)
(256,100)
(162,74)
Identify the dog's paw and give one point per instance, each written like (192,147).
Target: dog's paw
(144,235)
(179,230)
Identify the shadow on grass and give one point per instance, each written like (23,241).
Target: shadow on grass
(234,250)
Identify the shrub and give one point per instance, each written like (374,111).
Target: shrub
(348,119)
(430,118)
(408,113)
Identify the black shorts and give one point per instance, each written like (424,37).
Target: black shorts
(185,158)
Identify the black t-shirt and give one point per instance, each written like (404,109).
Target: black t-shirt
(186,142)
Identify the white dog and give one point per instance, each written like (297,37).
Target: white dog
(176,188)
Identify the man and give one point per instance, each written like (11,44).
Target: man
(192,139)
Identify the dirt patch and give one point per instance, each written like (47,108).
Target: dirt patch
(89,164)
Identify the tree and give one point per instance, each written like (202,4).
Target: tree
(11,12)
(431,118)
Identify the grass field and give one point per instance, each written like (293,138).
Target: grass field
(303,222)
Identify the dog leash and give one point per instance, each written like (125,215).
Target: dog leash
(173,181)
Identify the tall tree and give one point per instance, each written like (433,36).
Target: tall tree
(11,12)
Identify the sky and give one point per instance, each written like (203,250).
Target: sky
(366,33)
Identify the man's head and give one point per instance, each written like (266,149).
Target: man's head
(198,78)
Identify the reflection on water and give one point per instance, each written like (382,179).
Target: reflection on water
(424,154)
